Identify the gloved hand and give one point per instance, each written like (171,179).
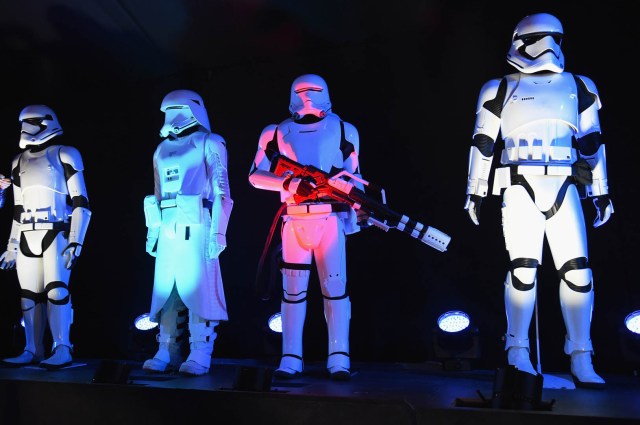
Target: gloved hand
(152,241)
(604,209)
(71,254)
(151,246)
(473,207)
(362,218)
(217,244)
(8,260)
(300,187)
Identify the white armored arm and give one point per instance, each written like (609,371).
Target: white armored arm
(81,213)
(216,158)
(8,258)
(260,177)
(592,149)
(589,143)
(153,220)
(486,131)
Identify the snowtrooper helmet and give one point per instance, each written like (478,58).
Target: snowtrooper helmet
(309,95)
(183,109)
(39,125)
(535,45)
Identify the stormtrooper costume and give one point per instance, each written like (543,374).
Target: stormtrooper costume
(316,136)
(553,156)
(187,218)
(51,217)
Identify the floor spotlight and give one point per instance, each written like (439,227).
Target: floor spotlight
(454,321)
(455,340)
(142,338)
(632,322)
(630,339)
(275,322)
(144,322)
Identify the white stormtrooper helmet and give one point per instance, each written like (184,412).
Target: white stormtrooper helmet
(535,45)
(183,109)
(309,95)
(39,125)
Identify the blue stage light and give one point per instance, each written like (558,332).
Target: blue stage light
(454,321)
(144,323)
(632,322)
(275,322)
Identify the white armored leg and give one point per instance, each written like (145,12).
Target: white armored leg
(337,313)
(519,298)
(576,300)
(60,320)
(294,310)
(201,342)
(172,322)
(35,322)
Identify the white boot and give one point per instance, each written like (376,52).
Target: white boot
(35,322)
(60,358)
(337,314)
(200,346)
(293,317)
(60,320)
(519,357)
(582,371)
(169,354)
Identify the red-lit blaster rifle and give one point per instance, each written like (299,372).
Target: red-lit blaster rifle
(339,189)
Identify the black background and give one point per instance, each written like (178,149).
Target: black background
(406,73)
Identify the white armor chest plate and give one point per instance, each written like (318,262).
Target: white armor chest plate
(539,118)
(43,186)
(181,168)
(316,144)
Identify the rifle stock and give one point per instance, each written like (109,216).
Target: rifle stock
(339,189)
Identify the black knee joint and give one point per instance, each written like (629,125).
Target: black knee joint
(517,263)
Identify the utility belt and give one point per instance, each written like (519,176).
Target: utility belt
(171,203)
(504,177)
(316,208)
(41,225)
(185,209)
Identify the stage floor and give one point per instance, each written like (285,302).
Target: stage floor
(239,391)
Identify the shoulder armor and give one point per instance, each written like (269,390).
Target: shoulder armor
(71,156)
(351,135)
(488,92)
(591,87)
(268,134)
(215,144)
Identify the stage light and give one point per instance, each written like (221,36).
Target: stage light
(275,322)
(144,323)
(454,321)
(632,322)
(455,340)
(629,336)
(142,342)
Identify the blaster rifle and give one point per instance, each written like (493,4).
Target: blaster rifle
(339,189)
